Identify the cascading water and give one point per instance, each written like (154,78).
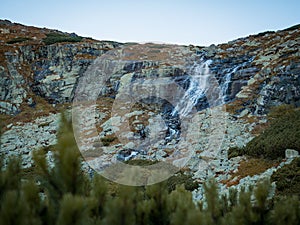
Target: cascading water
(197,88)
(228,77)
(225,85)
(197,85)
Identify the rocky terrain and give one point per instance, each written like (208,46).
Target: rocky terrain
(125,96)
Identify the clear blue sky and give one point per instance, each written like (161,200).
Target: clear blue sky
(171,21)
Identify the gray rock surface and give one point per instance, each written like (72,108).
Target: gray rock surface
(290,153)
(48,71)
(23,138)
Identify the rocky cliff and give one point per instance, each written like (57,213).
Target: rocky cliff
(43,71)
(30,67)
(263,68)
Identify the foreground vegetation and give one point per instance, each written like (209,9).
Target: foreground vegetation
(287,179)
(64,194)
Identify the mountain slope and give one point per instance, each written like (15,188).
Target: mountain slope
(42,71)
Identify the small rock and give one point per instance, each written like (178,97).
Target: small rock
(244,112)
(130,145)
(290,153)
(9,126)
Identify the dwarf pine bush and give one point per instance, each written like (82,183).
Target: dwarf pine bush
(283,133)
(54,37)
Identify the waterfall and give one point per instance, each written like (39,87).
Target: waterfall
(225,85)
(228,77)
(202,85)
(200,73)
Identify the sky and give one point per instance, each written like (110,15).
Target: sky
(185,22)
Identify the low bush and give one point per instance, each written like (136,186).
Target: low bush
(52,38)
(181,179)
(106,141)
(283,133)
(140,162)
(18,40)
(234,152)
(177,179)
(279,111)
(287,179)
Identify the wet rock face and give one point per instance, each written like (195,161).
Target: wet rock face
(236,71)
(57,69)
(12,91)
(171,120)
(282,89)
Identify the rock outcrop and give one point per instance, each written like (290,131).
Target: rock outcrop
(31,68)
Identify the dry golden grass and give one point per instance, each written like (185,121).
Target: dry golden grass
(254,166)
(29,114)
(84,56)
(235,106)
(259,128)
(110,140)
(250,167)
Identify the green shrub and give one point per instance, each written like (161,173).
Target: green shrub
(18,40)
(279,111)
(140,162)
(286,211)
(181,179)
(234,152)
(52,38)
(176,180)
(287,179)
(283,133)
(107,140)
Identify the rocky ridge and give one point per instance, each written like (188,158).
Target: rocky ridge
(31,68)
